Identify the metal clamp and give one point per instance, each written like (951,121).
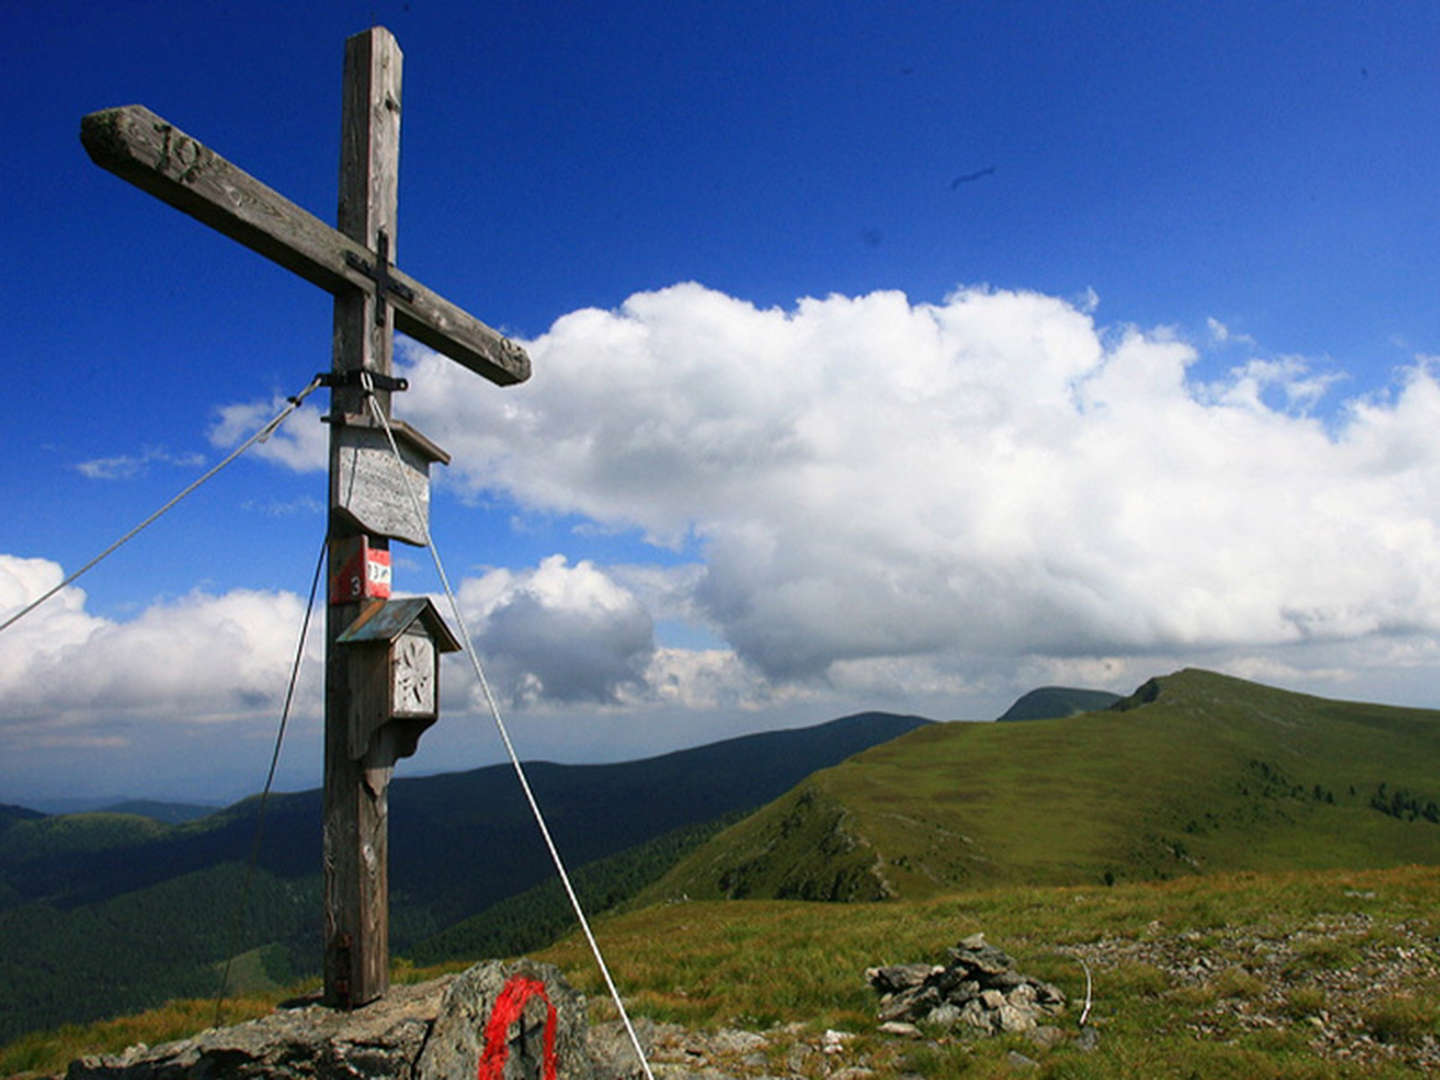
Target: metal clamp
(361,379)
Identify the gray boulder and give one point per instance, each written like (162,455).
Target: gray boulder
(493,1022)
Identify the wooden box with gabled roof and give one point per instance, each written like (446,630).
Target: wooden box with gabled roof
(397,700)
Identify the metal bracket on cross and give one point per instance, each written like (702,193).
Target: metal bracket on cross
(356,378)
(380,275)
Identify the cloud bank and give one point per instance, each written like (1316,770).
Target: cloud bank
(856,502)
(993,477)
(197,658)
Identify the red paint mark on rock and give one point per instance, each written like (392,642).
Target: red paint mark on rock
(509,1008)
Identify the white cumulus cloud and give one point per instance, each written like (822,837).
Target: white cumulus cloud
(63,671)
(125,466)
(991,476)
(559,632)
(300,443)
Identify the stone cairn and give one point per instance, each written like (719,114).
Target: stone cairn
(979,987)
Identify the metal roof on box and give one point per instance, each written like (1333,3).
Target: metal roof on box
(387,621)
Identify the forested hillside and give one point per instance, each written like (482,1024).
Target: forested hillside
(110,912)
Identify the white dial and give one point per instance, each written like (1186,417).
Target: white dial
(413,671)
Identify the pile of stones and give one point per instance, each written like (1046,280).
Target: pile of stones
(979,987)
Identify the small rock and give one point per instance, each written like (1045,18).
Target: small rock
(833,1042)
(976,1015)
(915,1002)
(903,1030)
(893,978)
(968,989)
(1046,1036)
(733,1041)
(1014,1020)
(1050,996)
(944,1015)
(1020,1063)
(1088,1039)
(1022,997)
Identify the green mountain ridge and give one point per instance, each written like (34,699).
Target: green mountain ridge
(1192,773)
(1049,702)
(171,813)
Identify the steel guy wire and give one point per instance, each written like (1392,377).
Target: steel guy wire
(490,701)
(259,436)
(270,780)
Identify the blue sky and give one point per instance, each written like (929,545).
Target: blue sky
(887,356)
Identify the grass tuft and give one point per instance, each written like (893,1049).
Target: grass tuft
(1405,1018)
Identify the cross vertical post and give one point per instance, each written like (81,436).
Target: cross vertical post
(370,503)
(356,822)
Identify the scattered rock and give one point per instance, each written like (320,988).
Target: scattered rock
(979,987)
(894,978)
(834,1041)
(1046,1036)
(901,1029)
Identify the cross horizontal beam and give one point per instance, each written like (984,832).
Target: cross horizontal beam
(154,155)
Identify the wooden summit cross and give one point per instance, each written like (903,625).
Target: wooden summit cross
(379,657)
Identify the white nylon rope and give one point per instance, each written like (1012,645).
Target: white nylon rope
(423,519)
(259,436)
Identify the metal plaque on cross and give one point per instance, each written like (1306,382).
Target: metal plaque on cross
(377,491)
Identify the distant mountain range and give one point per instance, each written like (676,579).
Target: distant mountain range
(171,812)
(1194,772)
(102,912)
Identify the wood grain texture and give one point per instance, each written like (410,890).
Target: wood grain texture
(157,157)
(374,489)
(357,895)
(368,503)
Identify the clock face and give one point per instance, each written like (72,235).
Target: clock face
(413,676)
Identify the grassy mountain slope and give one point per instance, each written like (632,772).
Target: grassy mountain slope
(1053,701)
(1301,975)
(88,902)
(1196,772)
(460,847)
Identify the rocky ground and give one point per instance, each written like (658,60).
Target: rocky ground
(1336,979)
(1342,988)
(1333,982)
(790,1051)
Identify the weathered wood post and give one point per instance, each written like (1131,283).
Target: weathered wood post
(366,729)
(356,844)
